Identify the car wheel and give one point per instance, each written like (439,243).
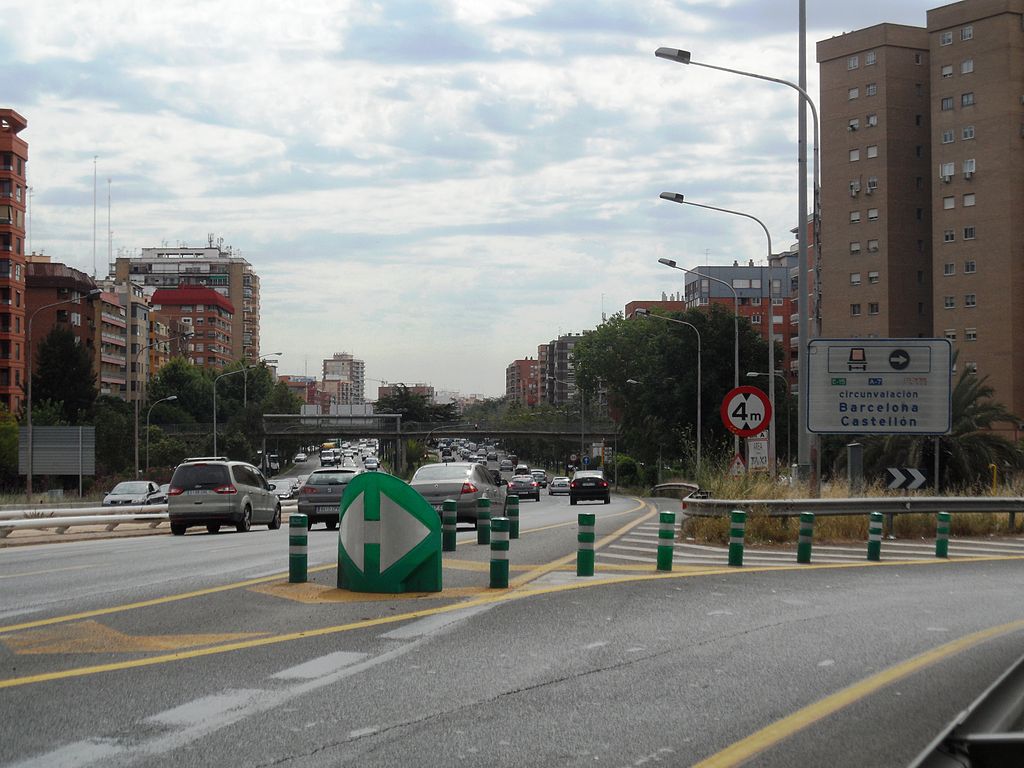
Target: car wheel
(178,529)
(245,524)
(331,525)
(276,522)
(607,499)
(213,528)
(572,501)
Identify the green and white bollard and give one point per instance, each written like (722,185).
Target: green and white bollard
(666,539)
(803,547)
(875,536)
(512,511)
(585,538)
(449,524)
(298,550)
(499,553)
(942,535)
(737,529)
(483,521)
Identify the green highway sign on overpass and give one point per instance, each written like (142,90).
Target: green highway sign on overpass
(879,386)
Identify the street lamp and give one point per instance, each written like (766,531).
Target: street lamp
(148,414)
(789,420)
(28,367)
(643,312)
(245,377)
(215,380)
(735,329)
(683,57)
(675,197)
(138,398)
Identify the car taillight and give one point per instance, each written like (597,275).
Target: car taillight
(308,489)
(469,488)
(604,483)
(535,483)
(572,484)
(225,490)
(175,491)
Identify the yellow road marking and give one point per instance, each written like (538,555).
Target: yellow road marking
(50,570)
(311,593)
(494,596)
(480,566)
(741,751)
(92,637)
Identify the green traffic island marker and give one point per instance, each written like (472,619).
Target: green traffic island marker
(666,540)
(942,535)
(585,539)
(499,552)
(298,549)
(483,521)
(737,530)
(512,512)
(803,547)
(449,524)
(875,536)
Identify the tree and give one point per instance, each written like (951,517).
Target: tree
(64,375)
(414,407)
(8,449)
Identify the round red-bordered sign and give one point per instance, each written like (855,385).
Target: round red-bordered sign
(746,411)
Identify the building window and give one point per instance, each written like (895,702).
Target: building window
(855,278)
(948,202)
(967,99)
(970,267)
(949,268)
(968,233)
(853,93)
(872,246)
(872,183)
(852,62)
(871,89)
(872,277)
(948,236)
(855,310)
(918,58)
(872,214)
(947,136)
(946,171)
(873,308)
(947,70)
(967,132)
(870,58)
(946,38)
(854,124)
(854,248)
(967,33)
(756,301)
(873,150)
(871,120)
(950,333)
(919,213)
(946,104)
(969,165)
(854,155)
(755,319)
(970,300)
(970,334)
(969,199)
(948,302)
(855,217)
(966,66)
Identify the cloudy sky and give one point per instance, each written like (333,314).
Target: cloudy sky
(436,186)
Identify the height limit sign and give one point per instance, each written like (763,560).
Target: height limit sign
(746,411)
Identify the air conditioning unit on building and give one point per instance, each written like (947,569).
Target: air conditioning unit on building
(854,188)
(947,179)
(968,174)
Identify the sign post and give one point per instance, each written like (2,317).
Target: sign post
(389,537)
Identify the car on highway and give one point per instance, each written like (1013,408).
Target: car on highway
(540,476)
(521,469)
(285,487)
(505,466)
(589,485)
(300,458)
(462,481)
(524,486)
(214,491)
(320,495)
(134,493)
(558,485)
(371,463)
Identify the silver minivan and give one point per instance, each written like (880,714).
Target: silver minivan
(215,492)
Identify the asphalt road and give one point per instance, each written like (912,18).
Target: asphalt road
(178,651)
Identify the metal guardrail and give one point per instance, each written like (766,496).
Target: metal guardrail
(851,506)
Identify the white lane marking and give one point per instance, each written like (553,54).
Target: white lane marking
(826,663)
(51,570)
(325,665)
(592,646)
(363,732)
(198,711)
(433,624)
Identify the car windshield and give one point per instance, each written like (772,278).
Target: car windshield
(329,478)
(200,476)
(441,472)
(131,487)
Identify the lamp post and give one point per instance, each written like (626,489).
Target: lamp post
(675,197)
(683,57)
(215,380)
(789,420)
(580,389)
(138,398)
(245,376)
(148,414)
(28,371)
(643,312)
(735,329)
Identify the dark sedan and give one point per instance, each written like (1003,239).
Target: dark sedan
(525,487)
(589,485)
